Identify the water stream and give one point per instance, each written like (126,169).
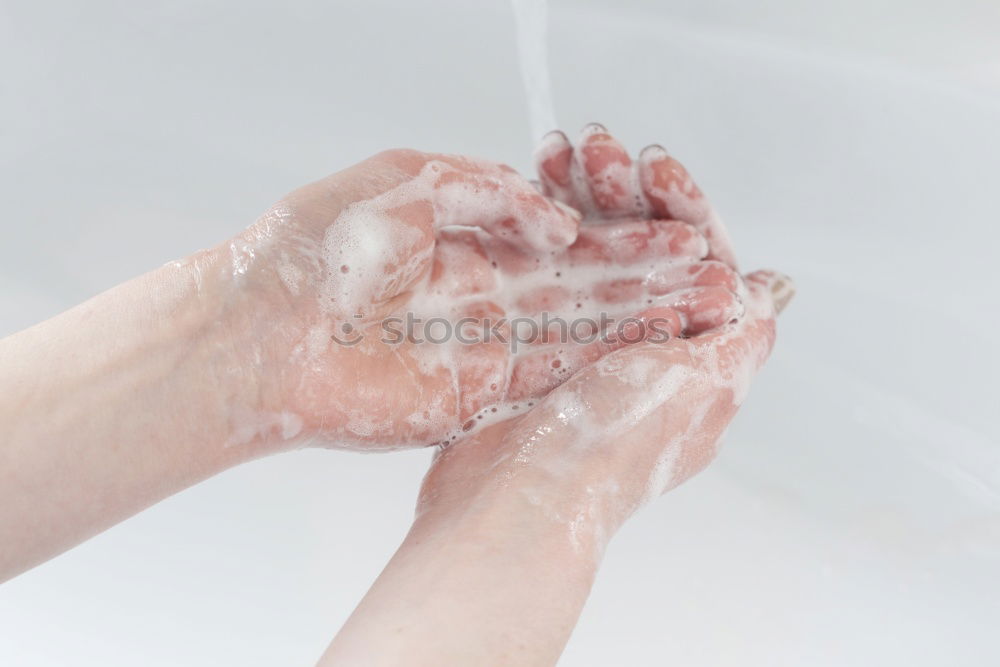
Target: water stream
(532,25)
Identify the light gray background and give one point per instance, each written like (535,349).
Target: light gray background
(854,515)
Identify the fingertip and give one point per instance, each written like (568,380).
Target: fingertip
(705,308)
(552,141)
(653,152)
(557,231)
(552,159)
(776,286)
(662,323)
(563,230)
(607,173)
(566,209)
(782,292)
(673,195)
(592,128)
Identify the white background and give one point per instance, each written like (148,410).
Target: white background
(853,517)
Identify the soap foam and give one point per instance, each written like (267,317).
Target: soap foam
(375,248)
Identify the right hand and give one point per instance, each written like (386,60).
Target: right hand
(624,430)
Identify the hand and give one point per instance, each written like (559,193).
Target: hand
(306,291)
(511,523)
(633,425)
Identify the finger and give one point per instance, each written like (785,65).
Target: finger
(634,241)
(700,274)
(700,308)
(497,199)
(642,244)
(728,357)
(607,174)
(770,286)
(553,159)
(539,371)
(548,298)
(706,299)
(738,350)
(672,194)
(703,308)
(620,243)
(705,273)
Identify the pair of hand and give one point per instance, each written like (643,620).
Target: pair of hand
(279,338)
(471,242)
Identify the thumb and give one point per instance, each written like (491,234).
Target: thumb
(730,356)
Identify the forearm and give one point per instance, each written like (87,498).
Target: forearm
(497,586)
(108,408)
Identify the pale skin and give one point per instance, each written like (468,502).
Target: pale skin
(227,356)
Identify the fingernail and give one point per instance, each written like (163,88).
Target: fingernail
(653,152)
(782,291)
(553,136)
(593,128)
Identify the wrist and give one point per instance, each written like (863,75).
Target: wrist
(553,494)
(536,520)
(175,345)
(489,578)
(227,329)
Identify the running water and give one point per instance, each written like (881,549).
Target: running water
(532,22)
